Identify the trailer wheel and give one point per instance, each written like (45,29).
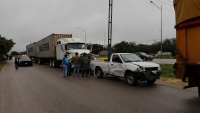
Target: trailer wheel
(39,61)
(131,79)
(151,81)
(99,72)
(54,63)
(50,62)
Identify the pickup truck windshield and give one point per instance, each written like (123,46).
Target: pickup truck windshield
(75,46)
(130,58)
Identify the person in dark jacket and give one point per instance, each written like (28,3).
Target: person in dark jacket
(85,64)
(16,62)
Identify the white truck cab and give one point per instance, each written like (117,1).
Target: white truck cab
(71,45)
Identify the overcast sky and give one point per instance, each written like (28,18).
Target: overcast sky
(27,21)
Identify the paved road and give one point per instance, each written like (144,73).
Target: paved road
(164,61)
(41,89)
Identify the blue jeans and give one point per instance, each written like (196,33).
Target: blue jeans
(65,69)
(76,69)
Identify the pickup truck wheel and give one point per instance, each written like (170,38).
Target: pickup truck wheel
(99,72)
(151,81)
(131,79)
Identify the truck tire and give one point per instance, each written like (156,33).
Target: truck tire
(50,62)
(99,72)
(151,81)
(39,61)
(131,79)
(54,63)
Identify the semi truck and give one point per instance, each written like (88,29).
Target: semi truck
(52,48)
(188,42)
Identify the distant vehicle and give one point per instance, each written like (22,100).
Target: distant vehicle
(10,57)
(159,53)
(144,56)
(129,66)
(24,60)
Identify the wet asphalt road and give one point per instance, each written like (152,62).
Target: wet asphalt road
(41,89)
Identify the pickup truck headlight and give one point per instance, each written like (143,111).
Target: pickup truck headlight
(140,68)
(159,68)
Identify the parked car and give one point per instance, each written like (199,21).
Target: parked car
(144,56)
(24,60)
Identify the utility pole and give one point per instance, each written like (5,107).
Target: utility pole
(160,25)
(110,27)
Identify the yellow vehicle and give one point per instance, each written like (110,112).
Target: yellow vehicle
(188,41)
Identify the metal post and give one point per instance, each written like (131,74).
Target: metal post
(110,27)
(160,25)
(83,31)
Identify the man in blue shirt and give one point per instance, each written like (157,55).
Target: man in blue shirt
(65,64)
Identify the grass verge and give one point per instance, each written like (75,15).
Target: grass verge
(167,75)
(1,64)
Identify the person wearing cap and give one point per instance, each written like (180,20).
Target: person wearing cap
(65,64)
(85,64)
(69,61)
(76,60)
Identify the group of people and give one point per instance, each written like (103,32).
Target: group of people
(80,64)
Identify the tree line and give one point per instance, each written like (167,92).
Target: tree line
(5,46)
(168,45)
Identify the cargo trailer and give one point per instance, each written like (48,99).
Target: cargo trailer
(188,42)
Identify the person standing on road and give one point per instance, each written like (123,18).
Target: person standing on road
(16,62)
(90,57)
(76,60)
(84,64)
(65,64)
(70,65)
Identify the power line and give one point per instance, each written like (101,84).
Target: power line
(165,3)
(151,4)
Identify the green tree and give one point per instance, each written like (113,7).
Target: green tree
(97,48)
(13,53)
(169,45)
(5,45)
(124,47)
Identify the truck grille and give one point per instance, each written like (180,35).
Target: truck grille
(151,69)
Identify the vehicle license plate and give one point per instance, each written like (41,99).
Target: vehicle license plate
(26,63)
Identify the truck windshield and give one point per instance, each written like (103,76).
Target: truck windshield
(75,46)
(130,58)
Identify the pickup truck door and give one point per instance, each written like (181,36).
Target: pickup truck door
(116,66)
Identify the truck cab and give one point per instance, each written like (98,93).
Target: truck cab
(71,45)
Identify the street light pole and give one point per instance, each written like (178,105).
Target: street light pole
(160,25)
(83,31)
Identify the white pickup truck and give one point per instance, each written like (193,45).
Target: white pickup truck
(129,66)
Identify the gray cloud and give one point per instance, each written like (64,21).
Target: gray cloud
(27,21)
